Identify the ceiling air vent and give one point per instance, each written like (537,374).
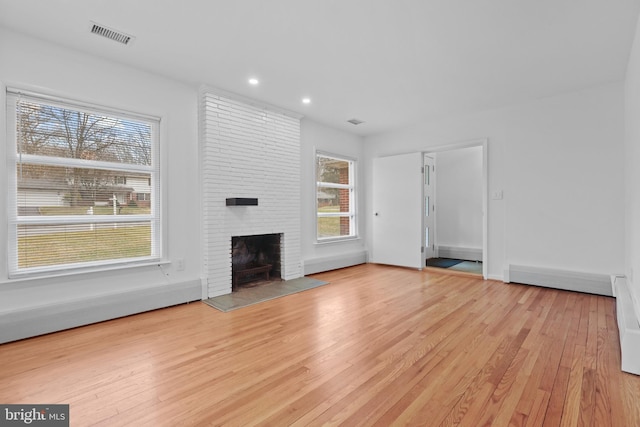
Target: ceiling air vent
(355,121)
(111,34)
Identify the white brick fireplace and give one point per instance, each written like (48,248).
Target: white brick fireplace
(248,150)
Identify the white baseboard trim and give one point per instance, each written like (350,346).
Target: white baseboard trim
(318,265)
(598,284)
(35,321)
(628,326)
(458,252)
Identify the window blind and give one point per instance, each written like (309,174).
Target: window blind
(74,183)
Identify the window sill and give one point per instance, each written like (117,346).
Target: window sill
(24,277)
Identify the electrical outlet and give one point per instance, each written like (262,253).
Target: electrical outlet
(180,264)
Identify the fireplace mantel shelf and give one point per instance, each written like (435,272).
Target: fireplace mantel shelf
(242,201)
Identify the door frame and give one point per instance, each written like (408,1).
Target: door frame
(432,201)
(484,143)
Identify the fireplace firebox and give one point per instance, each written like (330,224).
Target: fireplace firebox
(255,259)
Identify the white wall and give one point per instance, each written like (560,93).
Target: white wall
(40,66)
(558,161)
(459,198)
(318,256)
(632,173)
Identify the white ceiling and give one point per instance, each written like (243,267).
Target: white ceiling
(389,63)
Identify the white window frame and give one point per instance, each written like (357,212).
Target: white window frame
(352,186)
(14,220)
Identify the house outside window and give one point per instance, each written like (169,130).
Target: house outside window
(335,197)
(70,186)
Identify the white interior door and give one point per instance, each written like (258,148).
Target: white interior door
(397,210)
(429,208)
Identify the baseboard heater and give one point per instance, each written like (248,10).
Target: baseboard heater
(590,283)
(38,320)
(458,252)
(628,326)
(317,265)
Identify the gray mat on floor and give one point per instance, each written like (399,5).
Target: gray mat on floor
(468,267)
(442,262)
(249,296)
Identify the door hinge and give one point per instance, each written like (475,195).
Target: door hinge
(422,169)
(422,249)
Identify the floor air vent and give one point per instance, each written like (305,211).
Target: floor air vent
(111,34)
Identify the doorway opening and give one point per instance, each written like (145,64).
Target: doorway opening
(455,206)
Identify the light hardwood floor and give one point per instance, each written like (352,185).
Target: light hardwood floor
(377,346)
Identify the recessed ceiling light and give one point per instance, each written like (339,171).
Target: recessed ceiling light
(253,81)
(355,122)
(306,100)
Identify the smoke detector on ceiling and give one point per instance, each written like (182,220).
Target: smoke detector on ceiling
(111,34)
(355,121)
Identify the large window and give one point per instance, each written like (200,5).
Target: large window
(335,201)
(72,186)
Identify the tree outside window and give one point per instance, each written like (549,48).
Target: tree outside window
(74,173)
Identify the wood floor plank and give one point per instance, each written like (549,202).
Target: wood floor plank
(538,411)
(602,410)
(573,396)
(526,403)
(587,401)
(378,345)
(553,415)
